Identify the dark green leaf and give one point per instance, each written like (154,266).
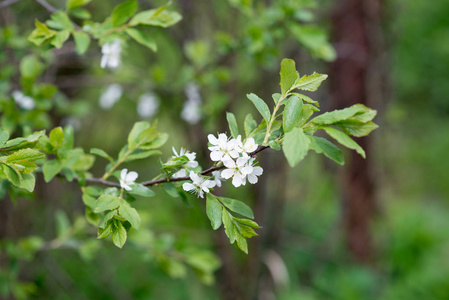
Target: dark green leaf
(229,226)
(356,128)
(250,125)
(118,234)
(141,190)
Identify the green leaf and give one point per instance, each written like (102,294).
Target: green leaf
(71,4)
(4,136)
(82,42)
(130,214)
(248,222)
(289,75)
(41,34)
(62,225)
(261,106)
(241,243)
(51,168)
(140,154)
(156,143)
(56,137)
(31,67)
(356,128)
(28,182)
(229,226)
(118,234)
(237,206)
(156,17)
(310,82)
(321,145)
(307,99)
(356,111)
(106,202)
(30,155)
(101,153)
(214,211)
(295,146)
(276,97)
(123,12)
(250,125)
(170,188)
(60,38)
(292,113)
(246,231)
(142,38)
(106,231)
(60,20)
(104,221)
(344,139)
(141,190)
(134,134)
(12,174)
(232,124)
(80,13)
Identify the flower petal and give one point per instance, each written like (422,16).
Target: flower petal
(229,163)
(187,186)
(212,139)
(237,180)
(131,177)
(123,174)
(226,174)
(216,155)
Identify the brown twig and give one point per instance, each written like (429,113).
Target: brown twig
(164,180)
(7,3)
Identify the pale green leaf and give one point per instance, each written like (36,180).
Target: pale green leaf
(233,127)
(82,42)
(51,168)
(106,202)
(101,153)
(142,38)
(292,113)
(123,12)
(261,106)
(343,114)
(30,155)
(289,75)
(229,226)
(310,82)
(356,128)
(344,139)
(295,146)
(321,145)
(250,125)
(214,211)
(130,214)
(60,38)
(237,206)
(56,137)
(141,190)
(118,234)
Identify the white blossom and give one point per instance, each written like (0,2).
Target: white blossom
(257,171)
(23,101)
(111,54)
(237,170)
(190,155)
(199,184)
(180,173)
(249,146)
(217,178)
(191,112)
(127,179)
(223,149)
(148,105)
(110,96)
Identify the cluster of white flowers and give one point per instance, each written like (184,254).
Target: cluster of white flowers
(233,153)
(148,105)
(110,96)
(127,179)
(199,185)
(191,164)
(23,101)
(191,110)
(111,54)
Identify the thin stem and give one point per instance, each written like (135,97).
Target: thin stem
(165,180)
(119,162)
(47,6)
(273,117)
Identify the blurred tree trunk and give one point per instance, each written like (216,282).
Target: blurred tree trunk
(356,78)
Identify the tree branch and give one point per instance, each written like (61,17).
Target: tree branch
(164,180)
(7,3)
(47,6)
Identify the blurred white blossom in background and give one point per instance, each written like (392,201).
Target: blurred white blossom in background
(23,101)
(147,105)
(111,54)
(191,112)
(112,94)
